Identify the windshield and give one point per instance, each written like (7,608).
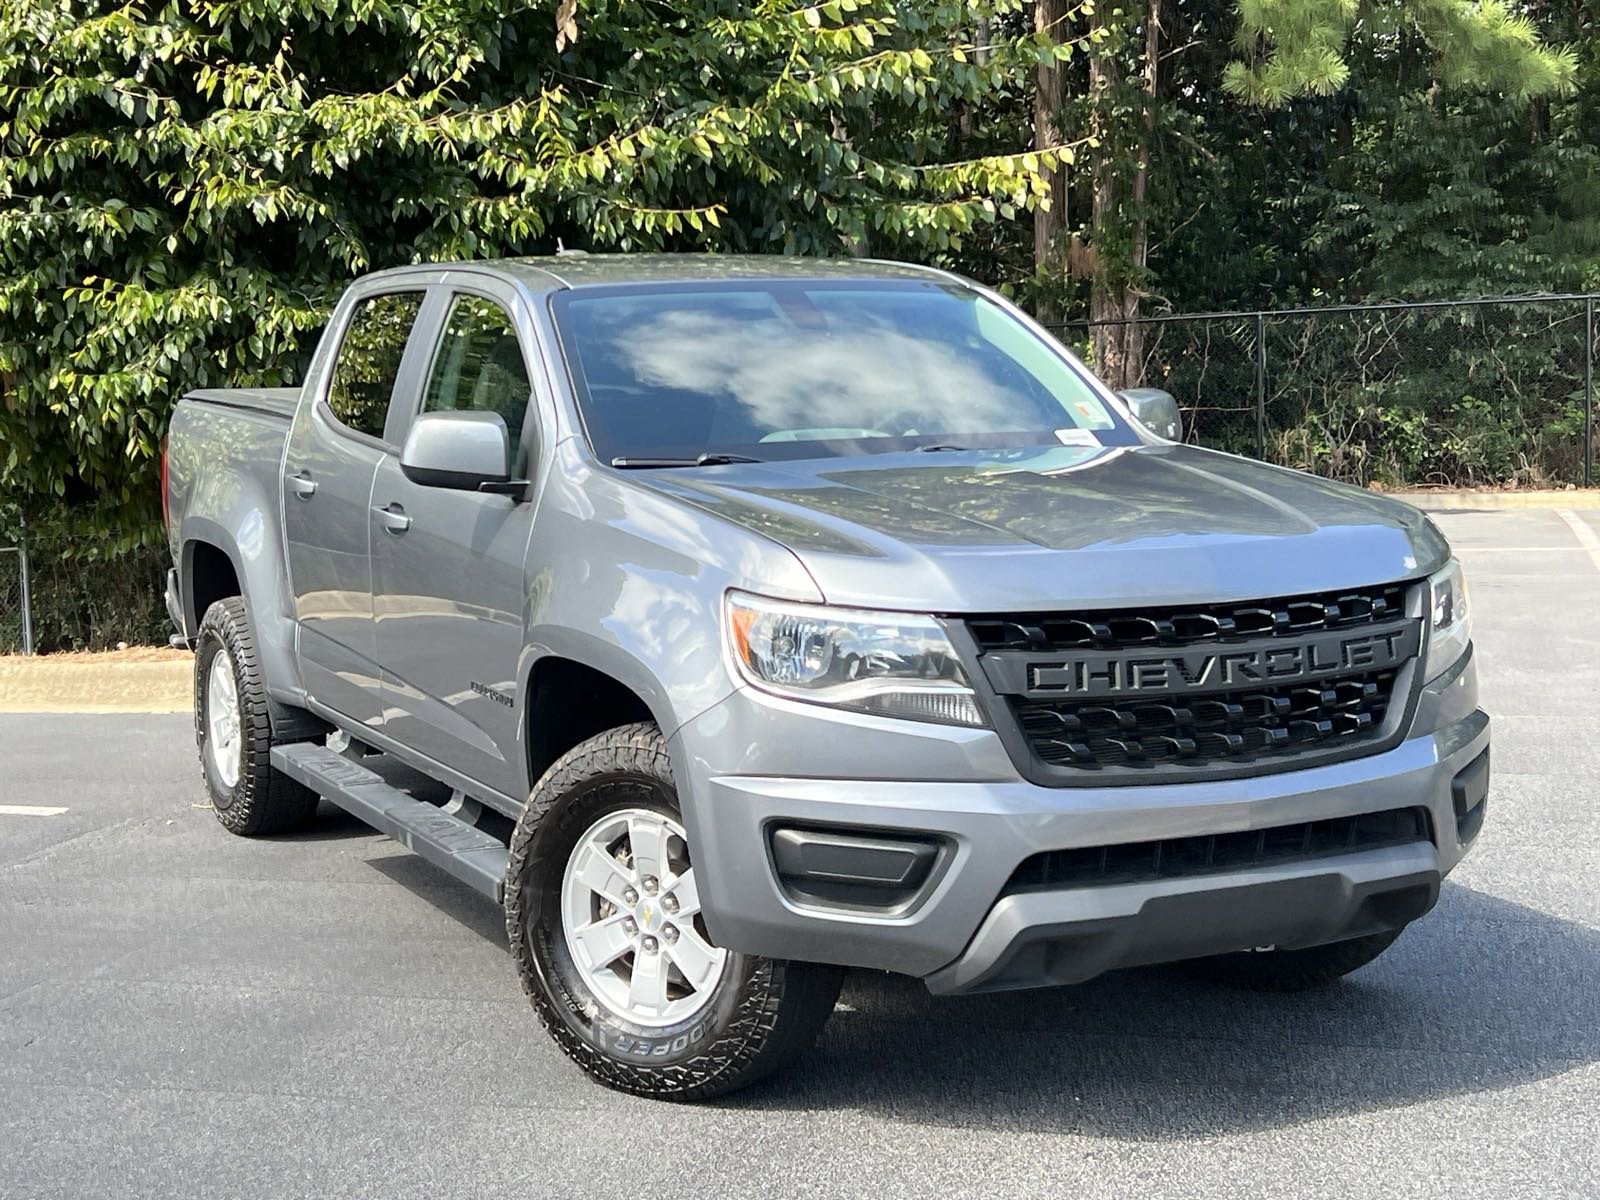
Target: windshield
(813,369)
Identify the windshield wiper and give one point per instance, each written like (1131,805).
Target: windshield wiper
(938,447)
(708,459)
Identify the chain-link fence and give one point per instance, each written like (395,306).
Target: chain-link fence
(79,591)
(16,625)
(1468,393)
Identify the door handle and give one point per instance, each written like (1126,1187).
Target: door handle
(304,486)
(394,518)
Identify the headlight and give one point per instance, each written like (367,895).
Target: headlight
(1449,629)
(888,664)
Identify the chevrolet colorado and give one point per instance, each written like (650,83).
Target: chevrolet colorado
(734,621)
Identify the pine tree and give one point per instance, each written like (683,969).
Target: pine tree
(1139,62)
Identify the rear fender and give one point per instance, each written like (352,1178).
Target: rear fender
(224,472)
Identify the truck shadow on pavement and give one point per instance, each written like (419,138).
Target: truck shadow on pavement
(1480,995)
(1483,994)
(477,913)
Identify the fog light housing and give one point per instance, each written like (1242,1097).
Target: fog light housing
(860,870)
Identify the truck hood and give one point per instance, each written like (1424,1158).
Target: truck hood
(1063,527)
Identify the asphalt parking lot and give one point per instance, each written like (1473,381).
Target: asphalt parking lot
(183,1013)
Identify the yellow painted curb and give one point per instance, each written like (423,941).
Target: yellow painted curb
(70,683)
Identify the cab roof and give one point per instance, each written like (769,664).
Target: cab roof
(556,272)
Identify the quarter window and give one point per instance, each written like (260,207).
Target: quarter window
(479,366)
(369,360)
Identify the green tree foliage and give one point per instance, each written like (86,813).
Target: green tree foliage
(1299,47)
(1393,188)
(184,187)
(1444,194)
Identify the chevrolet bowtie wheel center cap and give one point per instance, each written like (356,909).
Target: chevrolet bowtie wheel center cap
(630,906)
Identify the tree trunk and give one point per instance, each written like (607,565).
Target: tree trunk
(1120,208)
(1049,95)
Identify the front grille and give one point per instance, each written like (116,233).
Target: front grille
(1211,854)
(1239,727)
(1177,727)
(1189,626)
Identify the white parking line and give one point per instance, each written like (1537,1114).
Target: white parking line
(1586,536)
(30,810)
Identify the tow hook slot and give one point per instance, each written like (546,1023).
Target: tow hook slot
(1469,791)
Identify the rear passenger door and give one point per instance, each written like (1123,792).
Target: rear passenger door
(448,565)
(335,445)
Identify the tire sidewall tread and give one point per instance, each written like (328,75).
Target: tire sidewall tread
(264,800)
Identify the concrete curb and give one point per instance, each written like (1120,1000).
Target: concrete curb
(58,684)
(1444,499)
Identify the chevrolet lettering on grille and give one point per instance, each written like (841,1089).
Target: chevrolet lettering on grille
(1158,671)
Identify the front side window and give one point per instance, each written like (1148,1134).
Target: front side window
(479,366)
(369,360)
(817,368)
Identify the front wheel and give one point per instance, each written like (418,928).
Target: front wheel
(603,916)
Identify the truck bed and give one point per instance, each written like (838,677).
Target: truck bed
(224,450)
(279,402)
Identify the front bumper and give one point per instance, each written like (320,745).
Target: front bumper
(1069,936)
(963,933)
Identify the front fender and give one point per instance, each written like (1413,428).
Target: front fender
(630,583)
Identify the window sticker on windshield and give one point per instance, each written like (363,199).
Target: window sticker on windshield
(1091,416)
(1077,437)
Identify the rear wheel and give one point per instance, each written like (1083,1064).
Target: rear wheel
(234,731)
(603,916)
(1294,970)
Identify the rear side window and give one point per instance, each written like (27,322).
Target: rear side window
(369,360)
(479,366)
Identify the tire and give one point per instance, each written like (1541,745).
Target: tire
(1294,970)
(752,1017)
(249,797)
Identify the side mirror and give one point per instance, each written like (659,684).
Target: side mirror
(467,451)
(1156,410)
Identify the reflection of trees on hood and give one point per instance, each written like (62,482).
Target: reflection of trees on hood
(1121,497)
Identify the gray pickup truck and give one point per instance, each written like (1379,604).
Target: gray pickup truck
(734,621)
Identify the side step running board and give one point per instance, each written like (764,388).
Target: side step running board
(476,858)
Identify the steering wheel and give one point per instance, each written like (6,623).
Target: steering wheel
(907,422)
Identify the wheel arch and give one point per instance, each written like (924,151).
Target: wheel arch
(569,697)
(207,573)
(216,561)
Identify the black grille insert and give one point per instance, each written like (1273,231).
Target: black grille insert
(1284,724)
(1229,726)
(1211,854)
